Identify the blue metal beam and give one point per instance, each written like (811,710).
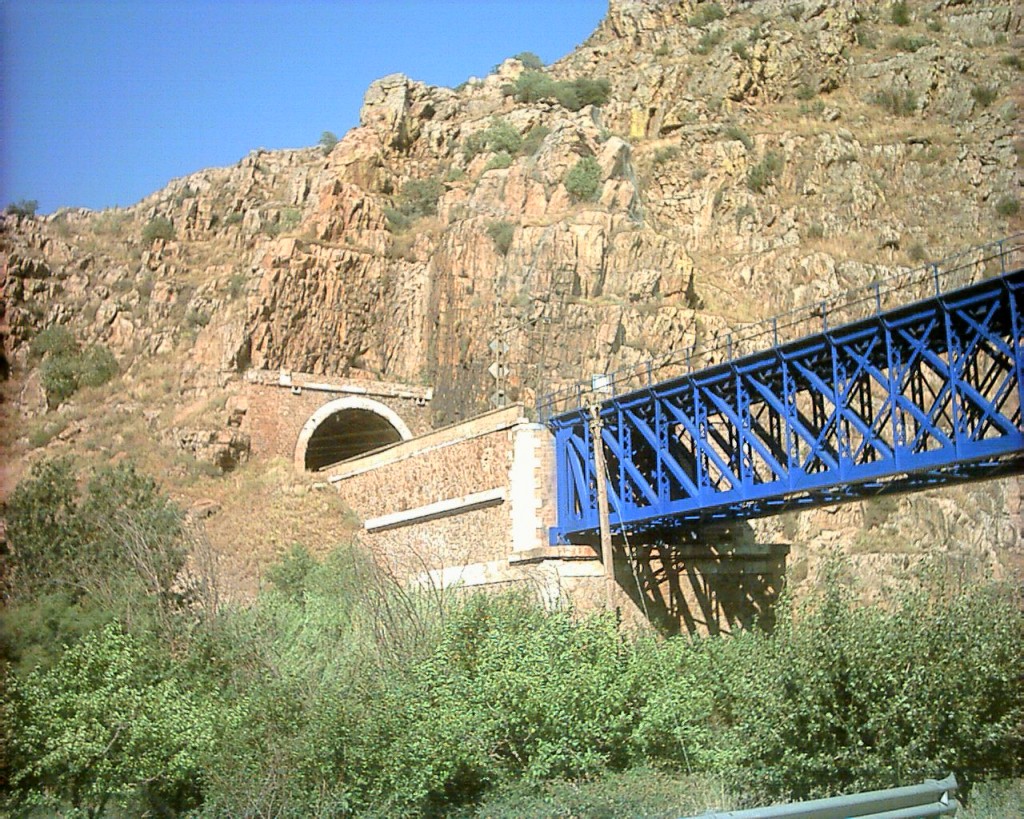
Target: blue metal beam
(920,395)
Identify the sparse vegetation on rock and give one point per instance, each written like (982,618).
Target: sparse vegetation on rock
(327,141)
(499,136)
(159,227)
(23,207)
(535,86)
(584,179)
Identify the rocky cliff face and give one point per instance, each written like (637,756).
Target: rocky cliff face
(748,157)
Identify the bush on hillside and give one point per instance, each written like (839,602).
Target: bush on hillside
(900,102)
(65,367)
(499,136)
(159,227)
(418,198)
(328,139)
(535,86)
(705,14)
(57,340)
(533,140)
(530,60)
(501,234)
(106,728)
(762,176)
(899,13)
(23,207)
(583,181)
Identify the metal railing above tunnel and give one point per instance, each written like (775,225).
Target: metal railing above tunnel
(900,399)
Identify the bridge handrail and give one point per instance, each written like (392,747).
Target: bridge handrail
(931,279)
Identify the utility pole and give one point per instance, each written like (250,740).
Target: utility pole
(607,556)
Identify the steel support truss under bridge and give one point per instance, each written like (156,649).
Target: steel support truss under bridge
(902,398)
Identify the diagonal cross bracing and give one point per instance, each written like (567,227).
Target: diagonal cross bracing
(916,396)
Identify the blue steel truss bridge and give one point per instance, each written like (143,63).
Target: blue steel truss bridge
(911,382)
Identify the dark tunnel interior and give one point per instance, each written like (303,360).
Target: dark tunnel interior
(346,434)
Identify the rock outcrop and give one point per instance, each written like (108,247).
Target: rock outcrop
(750,157)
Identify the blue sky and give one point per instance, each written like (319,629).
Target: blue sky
(103,102)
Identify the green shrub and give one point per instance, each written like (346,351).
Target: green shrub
(159,227)
(55,340)
(912,43)
(501,234)
(1013,61)
(535,86)
(807,91)
(499,161)
(738,134)
(530,60)
(705,14)
(533,140)
(59,378)
(418,198)
(763,175)
(290,575)
(499,136)
(118,544)
(532,86)
(866,37)
(45,430)
(328,139)
(994,800)
(1007,206)
(583,181)
(95,366)
(196,319)
(65,368)
(236,285)
(23,207)
(591,92)
(397,221)
(666,154)
(897,101)
(900,14)
(740,50)
(289,218)
(984,95)
(105,730)
(708,40)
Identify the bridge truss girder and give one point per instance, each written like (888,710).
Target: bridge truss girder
(925,394)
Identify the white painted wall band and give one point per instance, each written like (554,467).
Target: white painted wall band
(440,509)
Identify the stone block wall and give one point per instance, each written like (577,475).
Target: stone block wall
(449,490)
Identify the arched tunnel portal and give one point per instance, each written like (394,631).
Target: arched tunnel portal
(345,428)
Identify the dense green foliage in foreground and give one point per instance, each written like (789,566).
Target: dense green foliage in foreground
(338,693)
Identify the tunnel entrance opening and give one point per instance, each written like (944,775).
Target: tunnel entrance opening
(345,429)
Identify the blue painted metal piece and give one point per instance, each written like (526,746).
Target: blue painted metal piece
(902,399)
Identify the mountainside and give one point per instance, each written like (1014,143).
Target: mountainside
(691,167)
